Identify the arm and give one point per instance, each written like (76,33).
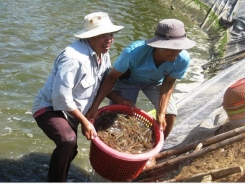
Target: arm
(122,64)
(88,129)
(62,96)
(167,89)
(119,100)
(105,88)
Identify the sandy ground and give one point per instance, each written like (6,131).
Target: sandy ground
(227,156)
(223,157)
(230,155)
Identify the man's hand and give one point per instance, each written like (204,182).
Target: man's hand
(88,130)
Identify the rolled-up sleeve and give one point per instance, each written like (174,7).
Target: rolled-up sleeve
(65,79)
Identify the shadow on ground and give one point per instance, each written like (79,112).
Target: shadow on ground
(33,167)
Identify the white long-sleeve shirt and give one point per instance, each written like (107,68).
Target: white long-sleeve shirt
(75,79)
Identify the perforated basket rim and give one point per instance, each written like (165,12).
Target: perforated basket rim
(129,156)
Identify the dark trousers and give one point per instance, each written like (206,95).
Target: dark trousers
(56,127)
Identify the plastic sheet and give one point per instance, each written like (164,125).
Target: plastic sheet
(203,104)
(232,13)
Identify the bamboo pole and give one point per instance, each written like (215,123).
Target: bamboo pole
(216,174)
(207,179)
(157,171)
(205,142)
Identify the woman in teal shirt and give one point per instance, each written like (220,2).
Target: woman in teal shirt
(153,67)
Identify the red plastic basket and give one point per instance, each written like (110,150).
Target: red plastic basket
(117,166)
(234,96)
(234,102)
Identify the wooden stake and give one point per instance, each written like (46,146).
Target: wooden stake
(156,172)
(207,179)
(205,142)
(215,174)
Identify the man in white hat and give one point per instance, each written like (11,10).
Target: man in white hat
(153,67)
(60,106)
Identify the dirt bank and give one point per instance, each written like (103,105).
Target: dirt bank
(224,21)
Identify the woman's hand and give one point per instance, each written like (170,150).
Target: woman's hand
(92,113)
(124,101)
(119,100)
(161,119)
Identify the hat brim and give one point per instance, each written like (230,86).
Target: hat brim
(177,44)
(98,31)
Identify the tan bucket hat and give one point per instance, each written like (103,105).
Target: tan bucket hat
(170,34)
(96,24)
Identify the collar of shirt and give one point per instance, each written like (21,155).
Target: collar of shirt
(92,52)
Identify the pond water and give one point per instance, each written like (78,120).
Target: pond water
(32,33)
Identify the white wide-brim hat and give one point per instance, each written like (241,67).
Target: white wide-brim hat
(170,34)
(96,24)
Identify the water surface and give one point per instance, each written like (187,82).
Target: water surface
(32,33)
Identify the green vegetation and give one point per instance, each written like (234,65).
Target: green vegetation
(223,42)
(198,4)
(210,23)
